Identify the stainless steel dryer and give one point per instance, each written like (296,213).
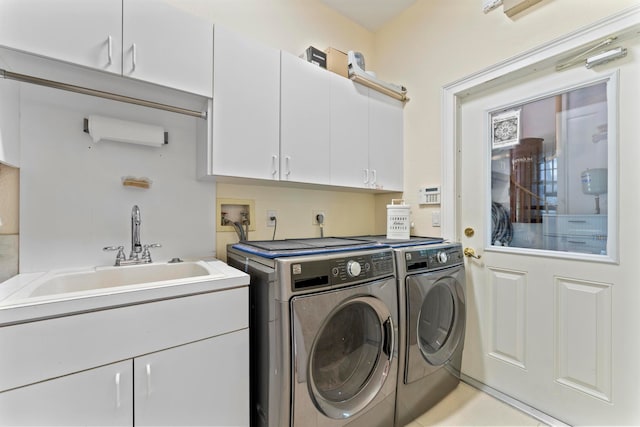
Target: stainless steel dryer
(432,310)
(323,332)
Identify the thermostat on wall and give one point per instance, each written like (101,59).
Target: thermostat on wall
(429,195)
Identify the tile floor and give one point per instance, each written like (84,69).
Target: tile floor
(468,406)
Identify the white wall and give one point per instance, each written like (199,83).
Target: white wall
(72,202)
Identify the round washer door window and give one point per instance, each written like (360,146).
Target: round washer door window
(436,319)
(440,322)
(350,357)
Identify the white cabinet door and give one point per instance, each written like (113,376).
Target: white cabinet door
(78,31)
(349,133)
(305,122)
(246,108)
(100,396)
(385,142)
(10,122)
(205,383)
(166,46)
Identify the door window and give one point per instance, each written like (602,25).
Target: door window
(550,169)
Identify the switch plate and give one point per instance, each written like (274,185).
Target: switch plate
(435,219)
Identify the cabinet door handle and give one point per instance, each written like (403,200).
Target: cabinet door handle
(366,176)
(148,379)
(274,165)
(134,57)
(118,390)
(110,50)
(287,166)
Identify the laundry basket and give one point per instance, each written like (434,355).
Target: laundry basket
(398,226)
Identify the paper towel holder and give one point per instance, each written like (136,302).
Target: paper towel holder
(85,129)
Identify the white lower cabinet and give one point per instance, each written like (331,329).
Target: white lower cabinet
(99,396)
(177,361)
(202,383)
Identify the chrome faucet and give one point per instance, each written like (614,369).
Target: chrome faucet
(140,253)
(136,221)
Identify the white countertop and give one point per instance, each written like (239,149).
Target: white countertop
(14,308)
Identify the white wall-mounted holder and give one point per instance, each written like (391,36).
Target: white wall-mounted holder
(102,128)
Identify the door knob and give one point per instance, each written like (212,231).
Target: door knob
(469,252)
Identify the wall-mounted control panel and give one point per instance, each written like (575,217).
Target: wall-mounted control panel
(429,195)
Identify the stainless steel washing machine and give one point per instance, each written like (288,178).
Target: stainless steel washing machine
(432,311)
(324,332)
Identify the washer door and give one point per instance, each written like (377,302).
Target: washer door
(435,320)
(350,352)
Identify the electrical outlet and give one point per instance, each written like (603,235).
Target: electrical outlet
(271,222)
(314,217)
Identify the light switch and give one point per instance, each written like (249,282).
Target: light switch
(435,219)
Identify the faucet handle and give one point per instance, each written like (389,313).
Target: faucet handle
(146,254)
(120,256)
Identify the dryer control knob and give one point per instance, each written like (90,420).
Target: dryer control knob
(353,268)
(442,257)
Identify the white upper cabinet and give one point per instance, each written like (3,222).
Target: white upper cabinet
(385,142)
(164,45)
(305,118)
(349,133)
(366,137)
(81,32)
(10,122)
(245,134)
(143,39)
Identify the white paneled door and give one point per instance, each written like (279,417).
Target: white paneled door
(553,301)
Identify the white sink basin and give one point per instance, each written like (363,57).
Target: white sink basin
(103,279)
(109,277)
(32,296)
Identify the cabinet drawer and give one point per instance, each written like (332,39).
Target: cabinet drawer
(582,225)
(56,347)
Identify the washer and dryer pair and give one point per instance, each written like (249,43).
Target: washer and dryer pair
(340,337)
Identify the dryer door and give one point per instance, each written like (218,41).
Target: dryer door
(343,351)
(435,320)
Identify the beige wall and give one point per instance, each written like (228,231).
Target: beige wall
(347,212)
(436,42)
(9,221)
(9,199)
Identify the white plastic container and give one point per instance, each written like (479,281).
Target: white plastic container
(398,225)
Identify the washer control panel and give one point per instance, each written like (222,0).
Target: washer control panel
(342,270)
(433,258)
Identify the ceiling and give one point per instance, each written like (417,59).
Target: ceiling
(371,14)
